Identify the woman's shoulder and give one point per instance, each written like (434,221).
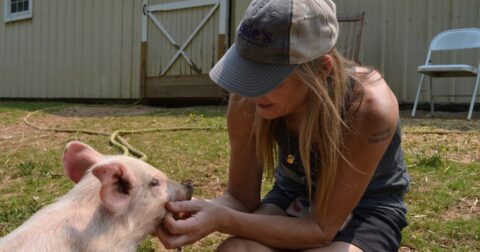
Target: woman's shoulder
(378,105)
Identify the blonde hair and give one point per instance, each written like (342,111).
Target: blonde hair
(321,127)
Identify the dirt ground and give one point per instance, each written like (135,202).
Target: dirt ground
(18,135)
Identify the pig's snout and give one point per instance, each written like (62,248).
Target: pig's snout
(179,192)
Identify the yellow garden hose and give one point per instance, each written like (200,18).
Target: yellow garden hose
(115,138)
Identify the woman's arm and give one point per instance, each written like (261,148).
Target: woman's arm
(245,173)
(373,126)
(243,190)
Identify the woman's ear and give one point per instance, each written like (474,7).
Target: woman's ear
(327,64)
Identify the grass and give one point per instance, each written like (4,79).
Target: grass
(443,157)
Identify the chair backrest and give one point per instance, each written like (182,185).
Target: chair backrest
(456,39)
(350,35)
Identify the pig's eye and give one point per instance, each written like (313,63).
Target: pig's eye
(154,182)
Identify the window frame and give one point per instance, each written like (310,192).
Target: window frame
(10,17)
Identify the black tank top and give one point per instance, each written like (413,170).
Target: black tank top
(388,184)
(390,176)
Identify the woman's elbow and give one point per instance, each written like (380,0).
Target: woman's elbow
(245,204)
(323,235)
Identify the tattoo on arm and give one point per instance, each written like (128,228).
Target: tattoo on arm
(380,136)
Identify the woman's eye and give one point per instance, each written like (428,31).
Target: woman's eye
(154,182)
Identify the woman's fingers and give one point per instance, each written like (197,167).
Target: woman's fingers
(169,217)
(177,232)
(185,206)
(172,241)
(174,226)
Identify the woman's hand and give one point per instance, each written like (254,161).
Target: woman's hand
(205,218)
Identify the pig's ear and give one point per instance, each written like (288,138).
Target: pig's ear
(117,183)
(77,158)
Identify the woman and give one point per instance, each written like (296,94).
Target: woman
(333,128)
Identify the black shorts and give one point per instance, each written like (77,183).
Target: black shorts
(375,224)
(374,228)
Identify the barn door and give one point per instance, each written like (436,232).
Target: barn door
(184,39)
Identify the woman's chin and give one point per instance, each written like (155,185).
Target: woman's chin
(269,114)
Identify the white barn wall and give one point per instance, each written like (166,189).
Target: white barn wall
(72,49)
(397,35)
(91,48)
(238,9)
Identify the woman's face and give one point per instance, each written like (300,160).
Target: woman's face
(289,97)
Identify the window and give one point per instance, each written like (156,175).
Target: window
(17,10)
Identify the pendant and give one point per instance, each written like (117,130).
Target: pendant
(290,159)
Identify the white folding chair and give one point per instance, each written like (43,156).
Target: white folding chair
(456,39)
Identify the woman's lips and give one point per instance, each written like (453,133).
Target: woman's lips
(264,106)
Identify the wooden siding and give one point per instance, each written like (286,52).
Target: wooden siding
(72,49)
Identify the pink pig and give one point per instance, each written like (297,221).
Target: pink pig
(116,203)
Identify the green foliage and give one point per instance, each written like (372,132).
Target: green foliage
(432,162)
(146,246)
(14,211)
(25,169)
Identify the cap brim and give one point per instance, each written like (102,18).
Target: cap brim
(246,77)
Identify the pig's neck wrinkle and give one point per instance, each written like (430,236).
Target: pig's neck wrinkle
(120,230)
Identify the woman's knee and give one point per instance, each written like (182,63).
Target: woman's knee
(233,244)
(336,246)
(238,244)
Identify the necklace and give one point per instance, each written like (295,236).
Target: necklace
(290,157)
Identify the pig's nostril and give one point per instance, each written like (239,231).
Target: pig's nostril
(189,187)
(188,184)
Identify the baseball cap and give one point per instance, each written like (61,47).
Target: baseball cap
(273,38)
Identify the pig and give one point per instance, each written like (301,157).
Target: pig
(116,202)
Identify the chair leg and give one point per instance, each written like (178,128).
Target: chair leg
(474,96)
(432,110)
(414,110)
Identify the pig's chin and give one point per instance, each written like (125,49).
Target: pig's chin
(159,219)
